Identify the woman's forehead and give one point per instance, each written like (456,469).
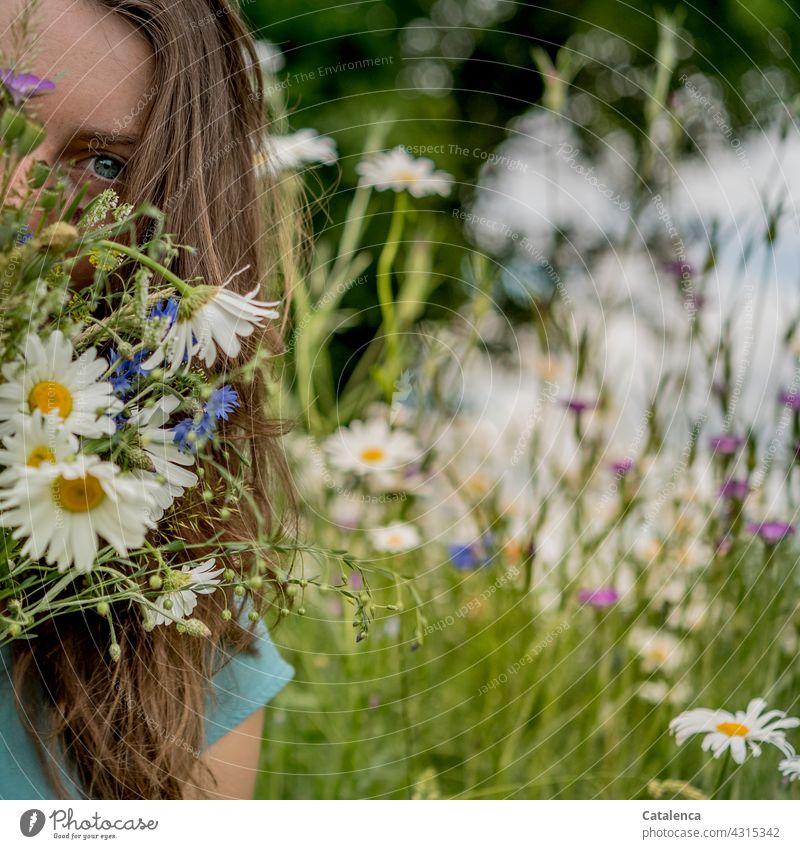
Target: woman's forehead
(101,64)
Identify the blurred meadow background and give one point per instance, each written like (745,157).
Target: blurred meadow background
(544,369)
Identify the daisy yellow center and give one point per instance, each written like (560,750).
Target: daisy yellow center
(394,539)
(372,455)
(40,455)
(733,729)
(79,495)
(407,177)
(175,580)
(48,396)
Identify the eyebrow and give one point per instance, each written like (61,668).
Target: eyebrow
(106,138)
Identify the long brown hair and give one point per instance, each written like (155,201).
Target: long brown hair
(133,728)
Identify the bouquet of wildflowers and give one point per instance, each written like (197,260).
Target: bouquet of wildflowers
(108,405)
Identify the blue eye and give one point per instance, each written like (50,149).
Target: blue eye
(106,167)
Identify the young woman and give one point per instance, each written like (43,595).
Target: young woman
(160,100)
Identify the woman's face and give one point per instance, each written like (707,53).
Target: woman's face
(103,72)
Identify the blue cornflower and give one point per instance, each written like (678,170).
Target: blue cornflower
(126,371)
(165,309)
(188,432)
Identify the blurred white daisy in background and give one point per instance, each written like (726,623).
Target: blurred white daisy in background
(48,378)
(746,729)
(790,768)
(167,459)
(657,649)
(270,56)
(61,509)
(40,439)
(371,449)
(398,170)
(395,537)
(181,588)
(211,318)
(291,152)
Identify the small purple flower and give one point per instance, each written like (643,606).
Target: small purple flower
(355,581)
(736,488)
(578,405)
(622,467)
(165,309)
(679,268)
(790,398)
(23,86)
(126,371)
(601,597)
(770,532)
(726,443)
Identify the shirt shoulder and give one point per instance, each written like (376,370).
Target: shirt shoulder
(244,683)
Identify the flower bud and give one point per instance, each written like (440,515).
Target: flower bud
(32,136)
(229,574)
(103,609)
(239,590)
(156,582)
(285,611)
(253,616)
(167,604)
(14,629)
(301,611)
(225,514)
(12,125)
(255,582)
(115,651)
(196,628)
(226,615)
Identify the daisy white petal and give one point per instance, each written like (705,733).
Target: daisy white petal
(398,170)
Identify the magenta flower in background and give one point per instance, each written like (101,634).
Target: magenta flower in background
(790,398)
(23,86)
(578,405)
(622,467)
(770,532)
(680,268)
(601,597)
(735,488)
(726,443)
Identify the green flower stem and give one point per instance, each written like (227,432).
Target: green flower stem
(723,769)
(182,286)
(384,284)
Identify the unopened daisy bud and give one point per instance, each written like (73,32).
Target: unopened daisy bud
(253,616)
(208,495)
(292,590)
(363,597)
(226,615)
(14,605)
(157,374)
(229,574)
(301,611)
(103,609)
(285,611)
(303,582)
(14,630)
(115,651)
(156,582)
(225,514)
(255,582)
(148,623)
(239,590)
(167,604)
(196,628)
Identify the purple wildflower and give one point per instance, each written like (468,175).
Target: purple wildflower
(23,86)
(126,371)
(578,405)
(622,467)
(726,443)
(601,597)
(770,532)
(679,268)
(736,488)
(790,398)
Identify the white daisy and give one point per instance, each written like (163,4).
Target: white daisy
(167,460)
(61,509)
(400,171)
(293,151)
(181,587)
(790,768)
(211,317)
(49,379)
(269,55)
(371,448)
(737,732)
(657,649)
(40,439)
(396,537)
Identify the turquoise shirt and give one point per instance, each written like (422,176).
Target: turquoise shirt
(243,685)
